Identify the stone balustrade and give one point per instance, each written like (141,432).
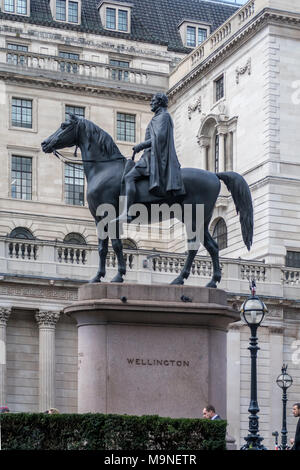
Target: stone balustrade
(56,260)
(221,36)
(79,70)
(23,249)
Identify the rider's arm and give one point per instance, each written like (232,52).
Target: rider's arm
(143,145)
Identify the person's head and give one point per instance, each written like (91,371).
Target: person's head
(204,413)
(4,409)
(296,409)
(52,411)
(159,100)
(210,411)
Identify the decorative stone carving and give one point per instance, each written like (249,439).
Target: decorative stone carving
(242,70)
(194,107)
(39,292)
(276,330)
(47,318)
(4,315)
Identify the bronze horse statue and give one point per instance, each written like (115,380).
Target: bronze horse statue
(104,166)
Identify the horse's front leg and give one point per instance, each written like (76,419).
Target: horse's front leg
(185,272)
(118,249)
(102,250)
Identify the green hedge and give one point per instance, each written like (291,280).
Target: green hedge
(35,431)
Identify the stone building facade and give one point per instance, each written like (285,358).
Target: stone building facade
(235,104)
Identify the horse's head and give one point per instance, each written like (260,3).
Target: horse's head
(65,136)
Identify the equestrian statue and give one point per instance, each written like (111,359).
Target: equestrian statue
(155,179)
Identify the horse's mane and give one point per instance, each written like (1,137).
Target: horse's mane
(106,143)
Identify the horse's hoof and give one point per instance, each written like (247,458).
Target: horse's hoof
(117,278)
(97,278)
(179,281)
(211,284)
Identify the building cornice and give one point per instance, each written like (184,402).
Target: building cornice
(135,95)
(265,17)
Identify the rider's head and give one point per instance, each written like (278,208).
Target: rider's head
(159,100)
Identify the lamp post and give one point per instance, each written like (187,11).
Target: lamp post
(284,381)
(253,311)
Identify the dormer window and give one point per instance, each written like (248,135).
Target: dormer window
(67,11)
(115,16)
(18,7)
(192,33)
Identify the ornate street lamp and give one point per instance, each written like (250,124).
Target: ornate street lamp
(253,311)
(284,381)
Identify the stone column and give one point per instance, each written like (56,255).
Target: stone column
(4,316)
(46,321)
(222,133)
(204,143)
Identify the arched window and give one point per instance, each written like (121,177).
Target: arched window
(217,153)
(21,232)
(129,244)
(75,239)
(220,234)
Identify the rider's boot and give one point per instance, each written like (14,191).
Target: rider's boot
(130,197)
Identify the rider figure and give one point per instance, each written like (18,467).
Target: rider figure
(159,161)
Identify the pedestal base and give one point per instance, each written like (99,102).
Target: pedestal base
(143,350)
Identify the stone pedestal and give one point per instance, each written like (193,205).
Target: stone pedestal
(145,349)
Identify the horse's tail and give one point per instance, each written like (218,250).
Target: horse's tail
(241,195)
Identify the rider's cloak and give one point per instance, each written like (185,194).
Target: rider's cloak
(161,157)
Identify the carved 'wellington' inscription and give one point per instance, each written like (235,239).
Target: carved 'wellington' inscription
(157,362)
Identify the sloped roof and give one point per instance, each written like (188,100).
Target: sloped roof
(153,21)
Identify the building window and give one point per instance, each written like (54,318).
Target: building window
(122,20)
(14,58)
(292,259)
(191,36)
(16,6)
(22,7)
(118,73)
(61,12)
(67,10)
(21,232)
(9,6)
(77,110)
(217,153)
(75,239)
(111,18)
(68,66)
(220,234)
(116,19)
(73,12)
(194,35)
(202,35)
(74,184)
(21,113)
(21,178)
(219,88)
(129,244)
(126,127)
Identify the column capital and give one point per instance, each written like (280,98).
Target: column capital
(203,140)
(4,315)
(222,129)
(47,318)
